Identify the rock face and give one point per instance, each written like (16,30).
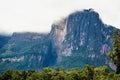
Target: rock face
(81,38)
(57,36)
(87,38)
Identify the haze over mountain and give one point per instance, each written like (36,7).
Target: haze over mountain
(80,38)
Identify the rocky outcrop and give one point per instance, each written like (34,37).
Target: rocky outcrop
(87,37)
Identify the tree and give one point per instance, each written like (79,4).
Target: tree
(100,72)
(115,54)
(74,74)
(7,75)
(88,72)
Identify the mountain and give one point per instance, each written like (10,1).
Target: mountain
(86,41)
(26,51)
(80,38)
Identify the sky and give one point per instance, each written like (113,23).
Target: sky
(38,15)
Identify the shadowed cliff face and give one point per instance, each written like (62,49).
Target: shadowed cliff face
(79,39)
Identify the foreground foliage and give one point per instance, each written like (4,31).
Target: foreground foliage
(87,73)
(115,54)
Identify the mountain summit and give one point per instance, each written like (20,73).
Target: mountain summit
(79,39)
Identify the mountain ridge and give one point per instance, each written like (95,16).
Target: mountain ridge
(80,38)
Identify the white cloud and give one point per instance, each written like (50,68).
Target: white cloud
(38,15)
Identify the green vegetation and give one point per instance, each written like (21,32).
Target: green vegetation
(87,73)
(115,54)
(27,55)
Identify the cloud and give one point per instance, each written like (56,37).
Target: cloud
(38,15)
